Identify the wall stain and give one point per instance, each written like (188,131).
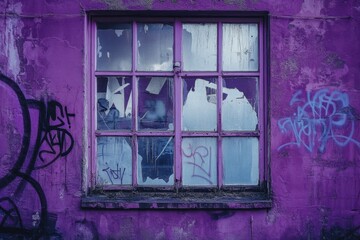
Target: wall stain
(217,215)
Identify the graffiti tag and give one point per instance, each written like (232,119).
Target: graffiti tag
(51,142)
(320,118)
(201,162)
(115,174)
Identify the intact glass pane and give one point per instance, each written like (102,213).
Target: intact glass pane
(155,103)
(240,104)
(155,47)
(113,159)
(114,105)
(199,46)
(199,165)
(155,160)
(240,47)
(114,47)
(199,104)
(240,161)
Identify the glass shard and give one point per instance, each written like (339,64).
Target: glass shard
(114,47)
(199,106)
(114,161)
(155,103)
(240,104)
(114,103)
(240,47)
(155,47)
(199,46)
(155,161)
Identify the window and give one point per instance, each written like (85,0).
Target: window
(178,106)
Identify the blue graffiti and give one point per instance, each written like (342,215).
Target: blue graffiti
(320,117)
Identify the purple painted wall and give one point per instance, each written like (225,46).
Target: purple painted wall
(315,179)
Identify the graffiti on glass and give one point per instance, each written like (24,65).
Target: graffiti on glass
(200,159)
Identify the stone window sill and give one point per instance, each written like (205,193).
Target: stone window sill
(183,200)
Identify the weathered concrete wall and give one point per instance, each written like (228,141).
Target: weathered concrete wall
(315,179)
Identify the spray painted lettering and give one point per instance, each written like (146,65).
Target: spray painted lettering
(321,117)
(40,139)
(115,174)
(56,141)
(201,162)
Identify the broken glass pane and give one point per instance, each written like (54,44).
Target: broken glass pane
(114,47)
(240,47)
(240,104)
(114,103)
(199,43)
(114,164)
(240,161)
(199,104)
(155,161)
(155,47)
(199,161)
(155,103)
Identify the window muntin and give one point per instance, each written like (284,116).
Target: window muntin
(172,146)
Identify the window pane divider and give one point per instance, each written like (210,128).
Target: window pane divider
(93,107)
(128,133)
(120,73)
(200,134)
(240,134)
(177,103)
(134,148)
(112,74)
(240,74)
(223,134)
(216,74)
(262,105)
(219,106)
(200,74)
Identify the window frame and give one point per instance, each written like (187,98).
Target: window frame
(182,196)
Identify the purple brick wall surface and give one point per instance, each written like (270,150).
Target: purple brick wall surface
(314,122)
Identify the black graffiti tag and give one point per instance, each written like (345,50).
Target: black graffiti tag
(56,141)
(49,140)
